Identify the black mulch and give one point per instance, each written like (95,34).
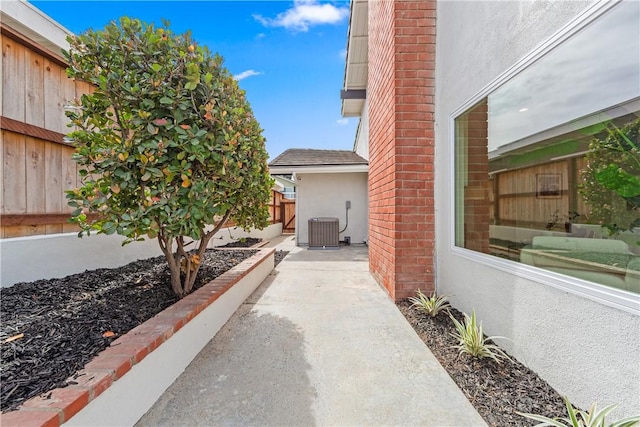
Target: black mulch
(497,391)
(63,320)
(242,243)
(251,241)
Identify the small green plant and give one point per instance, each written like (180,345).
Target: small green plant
(471,340)
(430,305)
(577,418)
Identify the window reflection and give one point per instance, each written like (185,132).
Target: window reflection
(548,165)
(597,68)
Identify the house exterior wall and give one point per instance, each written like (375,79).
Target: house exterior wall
(401,146)
(324,195)
(583,348)
(361,146)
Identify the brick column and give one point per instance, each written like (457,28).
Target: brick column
(401,145)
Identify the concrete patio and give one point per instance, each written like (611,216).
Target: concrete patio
(318,343)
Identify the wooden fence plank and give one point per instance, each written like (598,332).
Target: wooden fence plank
(70,177)
(53,93)
(67,95)
(13,79)
(14,231)
(2,133)
(39,219)
(35,171)
(53,184)
(288,216)
(34,102)
(14,179)
(1,80)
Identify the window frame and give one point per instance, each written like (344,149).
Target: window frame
(617,298)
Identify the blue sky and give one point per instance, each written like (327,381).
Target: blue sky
(287,55)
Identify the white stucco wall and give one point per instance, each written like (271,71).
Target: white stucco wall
(324,195)
(24,259)
(584,348)
(361,146)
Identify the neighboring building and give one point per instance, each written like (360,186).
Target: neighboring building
(482,123)
(285,185)
(327,181)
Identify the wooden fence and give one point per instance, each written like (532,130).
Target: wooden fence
(539,197)
(36,163)
(282,210)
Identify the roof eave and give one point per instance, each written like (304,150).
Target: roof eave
(356,62)
(30,22)
(319,169)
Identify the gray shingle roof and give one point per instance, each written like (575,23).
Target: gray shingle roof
(310,157)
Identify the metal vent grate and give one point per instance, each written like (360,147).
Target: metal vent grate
(323,233)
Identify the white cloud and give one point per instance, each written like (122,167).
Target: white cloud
(245,74)
(304,14)
(343,54)
(342,121)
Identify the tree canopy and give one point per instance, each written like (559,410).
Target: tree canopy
(611,179)
(167,143)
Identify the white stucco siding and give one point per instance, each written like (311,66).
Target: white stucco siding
(361,146)
(324,195)
(584,348)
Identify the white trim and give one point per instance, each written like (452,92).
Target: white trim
(623,300)
(617,298)
(31,22)
(289,170)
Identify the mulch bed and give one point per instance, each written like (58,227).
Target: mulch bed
(246,242)
(64,321)
(497,391)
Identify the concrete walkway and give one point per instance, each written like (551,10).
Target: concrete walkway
(318,344)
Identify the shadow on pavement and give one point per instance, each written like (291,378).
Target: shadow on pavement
(253,372)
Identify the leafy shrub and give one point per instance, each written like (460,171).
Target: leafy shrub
(577,418)
(430,305)
(166,143)
(472,341)
(611,178)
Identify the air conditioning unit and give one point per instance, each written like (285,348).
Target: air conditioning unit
(323,233)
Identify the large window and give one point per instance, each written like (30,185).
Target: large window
(548,164)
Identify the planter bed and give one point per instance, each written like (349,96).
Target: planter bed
(497,391)
(119,385)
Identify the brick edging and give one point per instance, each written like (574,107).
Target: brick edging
(57,406)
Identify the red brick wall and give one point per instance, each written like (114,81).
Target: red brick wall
(401,145)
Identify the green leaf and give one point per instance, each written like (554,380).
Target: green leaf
(166,101)
(109,228)
(619,180)
(157,173)
(146,176)
(156,67)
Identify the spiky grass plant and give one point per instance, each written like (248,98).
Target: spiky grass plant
(472,341)
(431,305)
(577,418)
